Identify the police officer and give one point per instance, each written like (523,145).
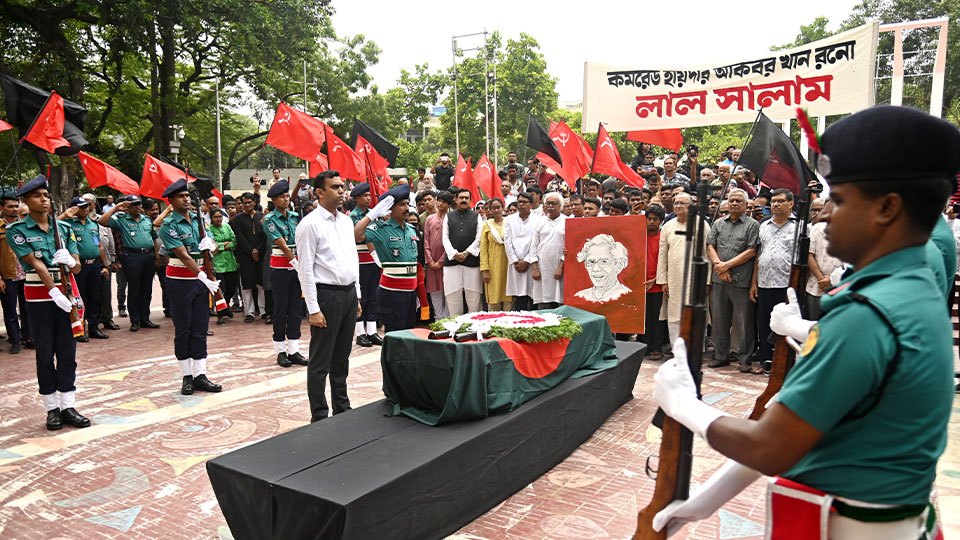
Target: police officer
(139,253)
(93,263)
(395,242)
(32,240)
(366,331)
(280,226)
(189,288)
(862,415)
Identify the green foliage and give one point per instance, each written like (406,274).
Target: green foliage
(808,33)
(566,329)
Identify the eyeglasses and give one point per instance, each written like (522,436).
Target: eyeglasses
(590,263)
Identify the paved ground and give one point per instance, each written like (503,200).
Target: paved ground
(138,472)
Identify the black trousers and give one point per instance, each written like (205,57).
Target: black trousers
(548,305)
(287,314)
(228,284)
(522,303)
(139,268)
(88,283)
(398,309)
(162,278)
(56,348)
(766,299)
(330,348)
(655,330)
(16,330)
(106,302)
(190,312)
(369,292)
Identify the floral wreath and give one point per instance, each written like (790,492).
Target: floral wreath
(525,326)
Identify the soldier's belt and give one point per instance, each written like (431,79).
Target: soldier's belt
(399,276)
(35,291)
(364,254)
(176,269)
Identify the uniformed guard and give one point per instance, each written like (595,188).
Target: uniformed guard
(395,242)
(366,331)
(139,254)
(93,263)
(32,240)
(189,288)
(280,226)
(856,431)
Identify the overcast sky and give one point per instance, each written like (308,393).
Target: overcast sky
(663,35)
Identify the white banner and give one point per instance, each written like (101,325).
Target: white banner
(830,76)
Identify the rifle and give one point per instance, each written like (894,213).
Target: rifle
(676,442)
(219,303)
(76,324)
(783,354)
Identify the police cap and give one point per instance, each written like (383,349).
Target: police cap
(176,187)
(37,183)
(79,201)
(399,193)
(359,190)
(279,188)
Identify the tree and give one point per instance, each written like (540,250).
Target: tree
(809,33)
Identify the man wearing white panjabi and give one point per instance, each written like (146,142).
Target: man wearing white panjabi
(461,270)
(670,263)
(546,253)
(518,231)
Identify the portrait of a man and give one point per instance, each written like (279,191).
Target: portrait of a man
(604,258)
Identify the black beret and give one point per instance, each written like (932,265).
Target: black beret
(37,183)
(176,187)
(359,190)
(399,193)
(889,143)
(279,188)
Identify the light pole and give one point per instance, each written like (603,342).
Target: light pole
(486,95)
(216,90)
(178,135)
(306,164)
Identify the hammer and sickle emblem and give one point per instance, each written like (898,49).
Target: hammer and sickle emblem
(153,167)
(485,166)
(563,138)
(606,143)
(286,118)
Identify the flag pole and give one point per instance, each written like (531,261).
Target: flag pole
(13,143)
(735,164)
(20,144)
(523,183)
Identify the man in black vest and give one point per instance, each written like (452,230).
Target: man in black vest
(461,271)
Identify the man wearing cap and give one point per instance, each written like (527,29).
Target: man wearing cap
(281,226)
(32,240)
(366,329)
(189,287)
(137,257)
(862,416)
(328,271)
(395,241)
(93,263)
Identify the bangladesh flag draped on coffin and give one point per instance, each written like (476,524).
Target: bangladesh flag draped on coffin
(441,381)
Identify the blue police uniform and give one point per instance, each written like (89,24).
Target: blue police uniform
(369,279)
(287,306)
(137,258)
(87,235)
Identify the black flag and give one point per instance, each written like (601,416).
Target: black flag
(539,140)
(773,157)
(379,142)
(24,102)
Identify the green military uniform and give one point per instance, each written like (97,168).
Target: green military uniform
(136,234)
(87,235)
(287,306)
(139,264)
(88,279)
(369,281)
(942,256)
(396,246)
(276,225)
(888,456)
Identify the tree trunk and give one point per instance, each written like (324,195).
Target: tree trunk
(168,75)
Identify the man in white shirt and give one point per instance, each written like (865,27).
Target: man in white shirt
(546,254)
(329,276)
(518,231)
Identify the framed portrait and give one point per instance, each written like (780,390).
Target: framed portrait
(605,267)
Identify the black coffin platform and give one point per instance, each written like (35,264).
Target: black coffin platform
(363,475)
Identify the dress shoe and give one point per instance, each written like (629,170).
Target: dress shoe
(221,322)
(148,324)
(83,339)
(123,313)
(297,358)
(71,417)
(28,344)
(54,422)
(166,314)
(375,339)
(716,362)
(203,384)
(15,348)
(236,309)
(363,340)
(282,360)
(97,334)
(248,319)
(187,387)
(268,319)
(134,327)
(110,325)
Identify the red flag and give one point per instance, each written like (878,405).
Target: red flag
(216,193)
(296,133)
(343,159)
(157,175)
(573,149)
(486,178)
(318,165)
(47,130)
(463,178)
(102,174)
(607,160)
(375,167)
(5,126)
(666,138)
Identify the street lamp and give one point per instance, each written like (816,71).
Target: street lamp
(178,135)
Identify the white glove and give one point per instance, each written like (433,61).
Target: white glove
(785,319)
(208,244)
(725,484)
(62,256)
(836,276)
(212,284)
(60,300)
(295,264)
(675,391)
(382,208)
